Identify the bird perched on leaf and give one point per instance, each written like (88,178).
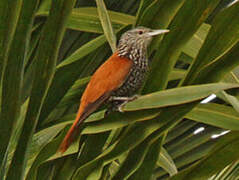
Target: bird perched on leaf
(117,80)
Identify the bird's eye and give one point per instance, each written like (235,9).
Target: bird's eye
(140,32)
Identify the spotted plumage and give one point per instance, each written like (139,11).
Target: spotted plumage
(117,79)
(134,49)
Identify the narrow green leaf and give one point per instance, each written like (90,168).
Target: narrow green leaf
(118,19)
(109,154)
(222,36)
(115,17)
(16,132)
(159,8)
(232,99)
(220,66)
(46,152)
(96,173)
(105,173)
(194,44)
(185,58)
(83,51)
(149,128)
(106,24)
(235,73)
(93,147)
(166,162)
(97,124)
(74,92)
(40,140)
(66,171)
(189,141)
(130,139)
(145,171)
(227,172)
(133,161)
(230,78)
(143,5)
(187,158)
(224,152)
(45,5)
(176,74)
(13,73)
(118,120)
(180,111)
(30,65)
(181,129)
(9,13)
(176,96)
(173,115)
(87,19)
(46,61)
(85,175)
(35,36)
(217,115)
(171,46)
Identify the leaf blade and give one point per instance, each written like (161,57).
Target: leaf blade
(46,61)
(216,115)
(175,96)
(223,153)
(106,24)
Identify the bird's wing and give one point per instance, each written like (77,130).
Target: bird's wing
(108,77)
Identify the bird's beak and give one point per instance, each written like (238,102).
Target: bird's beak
(157,32)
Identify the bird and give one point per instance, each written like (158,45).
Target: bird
(117,80)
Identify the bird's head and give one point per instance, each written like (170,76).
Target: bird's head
(138,38)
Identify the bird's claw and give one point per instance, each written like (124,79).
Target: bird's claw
(120,107)
(136,96)
(127,99)
(115,98)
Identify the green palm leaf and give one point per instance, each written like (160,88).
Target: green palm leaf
(50,49)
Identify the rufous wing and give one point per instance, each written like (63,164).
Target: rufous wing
(107,78)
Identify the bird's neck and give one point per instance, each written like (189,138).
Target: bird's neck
(136,53)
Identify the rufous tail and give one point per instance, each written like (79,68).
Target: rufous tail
(71,134)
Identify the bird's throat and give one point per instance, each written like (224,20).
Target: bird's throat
(136,53)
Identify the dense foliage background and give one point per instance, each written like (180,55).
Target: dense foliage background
(49,49)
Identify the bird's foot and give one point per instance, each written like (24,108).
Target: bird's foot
(118,103)
(120,107)
(126,100)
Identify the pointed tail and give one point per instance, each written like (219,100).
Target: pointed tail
(72,133)
(84,111)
